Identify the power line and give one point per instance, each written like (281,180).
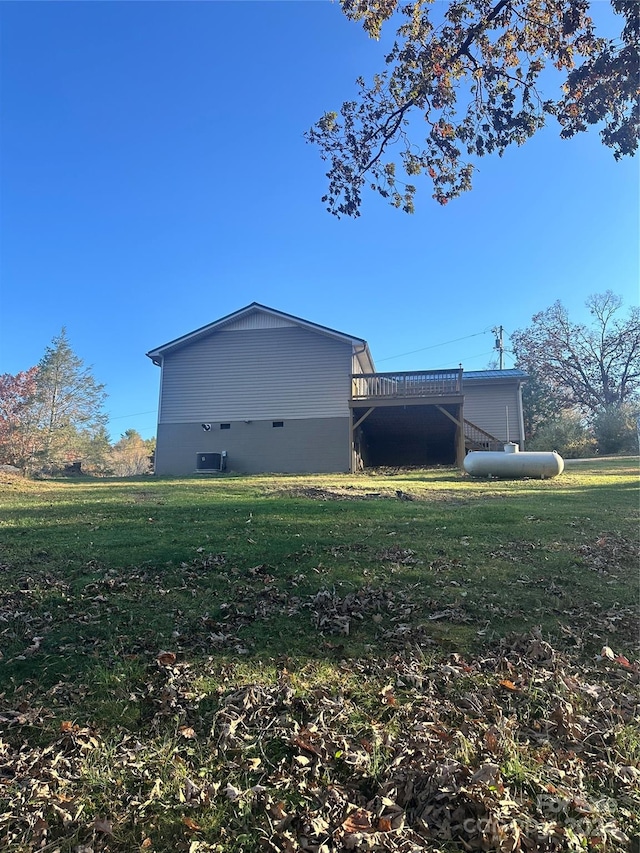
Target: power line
(134,415)
(433,346)
(464,360)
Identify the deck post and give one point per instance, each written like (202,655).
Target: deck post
(352,431)
(460,444)
(352,452)
(459,435)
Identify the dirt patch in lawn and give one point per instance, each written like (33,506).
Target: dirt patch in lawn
(353,493)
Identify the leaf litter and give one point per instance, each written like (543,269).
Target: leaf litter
(531,744)
(519,749)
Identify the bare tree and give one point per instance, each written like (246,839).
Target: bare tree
(595,367)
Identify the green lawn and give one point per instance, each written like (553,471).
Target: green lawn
(401,661)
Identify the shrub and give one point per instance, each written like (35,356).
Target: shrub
(567,434)
(616,430)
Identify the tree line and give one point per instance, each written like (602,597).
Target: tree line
(52,419)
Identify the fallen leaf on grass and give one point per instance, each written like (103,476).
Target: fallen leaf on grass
(35,645)
(623,661)
(155,792)
(232,792)
(40,829)
(366,745)
(388,697)
(488,774)
(277,811)
(358,821)
(302,742)
(607,653)
(166,658)
(64,815)
(101,824)
(491,740)
(191,825)
(425,768)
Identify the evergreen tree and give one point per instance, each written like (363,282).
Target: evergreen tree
(68,402)
(95,451)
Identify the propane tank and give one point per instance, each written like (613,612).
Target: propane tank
(511,463)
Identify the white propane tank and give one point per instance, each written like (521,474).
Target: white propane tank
(512,463)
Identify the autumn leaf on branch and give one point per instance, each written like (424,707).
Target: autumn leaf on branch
(470,77)
(18,440)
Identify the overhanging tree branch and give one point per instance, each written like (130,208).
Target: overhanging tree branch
(463,74)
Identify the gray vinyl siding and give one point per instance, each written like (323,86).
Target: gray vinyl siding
(257,320)
(485,405)
(319,445)
(256,374)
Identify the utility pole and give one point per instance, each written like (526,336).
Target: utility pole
(498,332)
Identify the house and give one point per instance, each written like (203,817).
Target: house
(264,391)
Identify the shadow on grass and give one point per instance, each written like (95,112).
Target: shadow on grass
(111,570)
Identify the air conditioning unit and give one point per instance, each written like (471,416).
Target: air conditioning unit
(207,462)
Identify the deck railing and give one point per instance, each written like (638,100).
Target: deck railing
(422,383)
(479,439)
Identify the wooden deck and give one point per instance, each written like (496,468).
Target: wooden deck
(412,416)
(413,386)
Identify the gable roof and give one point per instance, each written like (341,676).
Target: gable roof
(256,308)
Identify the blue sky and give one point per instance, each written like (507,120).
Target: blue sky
(154,177)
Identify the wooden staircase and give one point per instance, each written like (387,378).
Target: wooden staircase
(475,438)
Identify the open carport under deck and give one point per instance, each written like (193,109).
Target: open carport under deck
(407,419)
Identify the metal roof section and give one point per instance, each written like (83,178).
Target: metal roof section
(509,373)
(255,307)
